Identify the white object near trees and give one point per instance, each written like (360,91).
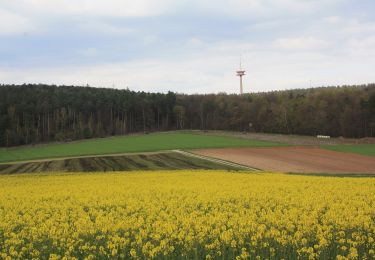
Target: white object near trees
(323,136)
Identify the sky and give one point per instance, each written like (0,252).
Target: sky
(188,46)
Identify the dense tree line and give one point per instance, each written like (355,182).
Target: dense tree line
(41,113)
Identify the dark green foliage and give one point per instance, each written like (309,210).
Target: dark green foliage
(336,111)
(40,113)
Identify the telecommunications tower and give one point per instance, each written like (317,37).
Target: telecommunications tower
(241,73)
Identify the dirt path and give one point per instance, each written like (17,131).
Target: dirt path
(295,159)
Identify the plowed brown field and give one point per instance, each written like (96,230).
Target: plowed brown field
(295,159)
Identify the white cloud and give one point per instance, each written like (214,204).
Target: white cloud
(284,44)
(234,47)
(127,8)
(12,23)
(143,8)
(196,42)
(301,43)
(361,47)
(104,28)
(90,52)
(332,19)
(364,43)
(261,8)
(207,73)
(357,27)
(151,75)
(150,39)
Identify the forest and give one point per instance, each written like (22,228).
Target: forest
(32,114)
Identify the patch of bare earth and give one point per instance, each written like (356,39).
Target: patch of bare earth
(295,159)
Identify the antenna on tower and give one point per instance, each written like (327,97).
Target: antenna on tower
(241,73)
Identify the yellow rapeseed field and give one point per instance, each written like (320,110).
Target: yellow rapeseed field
(186,215)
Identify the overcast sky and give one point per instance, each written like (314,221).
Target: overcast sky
(188,46)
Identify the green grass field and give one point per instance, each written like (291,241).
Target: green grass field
(364,149)
(127,144)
